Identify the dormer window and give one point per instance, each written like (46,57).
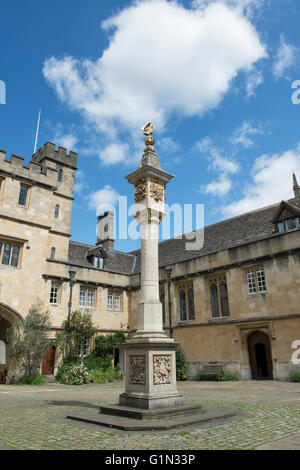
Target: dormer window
(288,224)
(287,217)
(98,262)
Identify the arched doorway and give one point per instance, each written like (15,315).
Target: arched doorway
(7,317)
(260,356)
(49,361)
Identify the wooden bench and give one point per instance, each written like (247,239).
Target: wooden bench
(211,370)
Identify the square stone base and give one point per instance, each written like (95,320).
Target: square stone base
(150,374)
(150,402)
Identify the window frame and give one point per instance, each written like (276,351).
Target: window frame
(185,287)
(219,280)
(12,243)
(255,280)
(111,305)
(255,269)
(85,346)
(283,222)
(60,175)
(56,211)
(86,290)
(58,293)
(28,189)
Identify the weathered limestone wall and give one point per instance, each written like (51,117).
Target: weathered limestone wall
(208,339)
(101,281)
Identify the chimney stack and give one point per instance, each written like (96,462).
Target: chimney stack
(105,230)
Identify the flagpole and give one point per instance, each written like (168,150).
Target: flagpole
(37,131)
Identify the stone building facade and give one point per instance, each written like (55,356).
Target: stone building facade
(235,302)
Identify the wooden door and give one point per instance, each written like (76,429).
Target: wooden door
(260,356)
(48,362)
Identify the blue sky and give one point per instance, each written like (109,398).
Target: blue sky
(215,78)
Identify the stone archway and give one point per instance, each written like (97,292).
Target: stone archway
(7,317)
(260,356)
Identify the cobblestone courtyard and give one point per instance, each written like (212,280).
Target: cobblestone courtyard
(34,418)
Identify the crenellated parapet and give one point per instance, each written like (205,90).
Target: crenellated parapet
(60,156)
(35,173)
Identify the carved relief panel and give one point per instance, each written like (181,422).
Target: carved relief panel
(157,191)
(137,367)
(162,369)
(140,190)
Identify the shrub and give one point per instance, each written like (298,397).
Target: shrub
(180,365)
(28,344)
(74,374)
(295,376)
(227,375)
(96,376)
(33,380)
(74,333)
(65,366)
(92,361)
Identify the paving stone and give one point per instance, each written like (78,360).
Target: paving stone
(35,418)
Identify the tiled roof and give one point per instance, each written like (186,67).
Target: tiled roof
(230,233)
(115,261)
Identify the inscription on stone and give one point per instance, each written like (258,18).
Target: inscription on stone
(161,369)
(138,369)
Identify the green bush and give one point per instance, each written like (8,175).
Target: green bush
(180,365)
(65,366)
(295,376)
(96,376)
(92,361)
(34,380)
(74,374)
(227,375)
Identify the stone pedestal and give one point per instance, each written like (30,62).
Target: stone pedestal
(150,374)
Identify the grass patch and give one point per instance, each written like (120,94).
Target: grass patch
(35,380)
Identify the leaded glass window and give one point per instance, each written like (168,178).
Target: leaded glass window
(23,195)
(182,298)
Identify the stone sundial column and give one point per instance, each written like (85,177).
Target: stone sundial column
(150,364)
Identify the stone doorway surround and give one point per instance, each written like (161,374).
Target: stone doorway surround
(260,356)
(242,331)
(7,317)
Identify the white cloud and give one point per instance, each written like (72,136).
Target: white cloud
(254,79)
(80,182)
(114,153)
(243,134)
(285,58)
(225,167)
(249,7)
(168,145)
(104,199)
(218,187)
(162,58)
(65,139)
(272,182)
